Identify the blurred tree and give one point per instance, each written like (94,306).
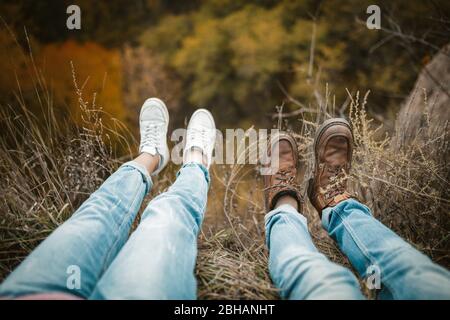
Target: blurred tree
(167,36)
(110,23)
(233,63)
(233,54)
(144,76)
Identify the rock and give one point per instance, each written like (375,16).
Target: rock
(431,95)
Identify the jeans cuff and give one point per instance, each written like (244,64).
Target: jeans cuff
(143,171)
(285,208)
(326,215)
(327,212)
(196,165)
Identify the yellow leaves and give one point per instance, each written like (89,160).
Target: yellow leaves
(47,72)
(237,58)
(201,48)
(332,58)
(328,59)
(165,38)
(258,40)
(232,54)
(234,57)
(203,58)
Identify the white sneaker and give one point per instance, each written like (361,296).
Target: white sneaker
(153,122)
(201,134)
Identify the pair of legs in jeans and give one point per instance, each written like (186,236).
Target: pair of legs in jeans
(91,255)
(301,272)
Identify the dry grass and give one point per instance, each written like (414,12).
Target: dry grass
(49,167)
(407,187)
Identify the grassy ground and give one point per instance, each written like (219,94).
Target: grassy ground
(49,168)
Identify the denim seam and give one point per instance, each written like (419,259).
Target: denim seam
(361,246)
(269,229)
(202,207)
(117,231)
(202,211)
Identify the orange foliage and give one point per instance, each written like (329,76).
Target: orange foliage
(97,71)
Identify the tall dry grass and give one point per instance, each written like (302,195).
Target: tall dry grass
(407,189)
(49,166)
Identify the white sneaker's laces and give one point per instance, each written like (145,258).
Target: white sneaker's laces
(152,136)
(200,135)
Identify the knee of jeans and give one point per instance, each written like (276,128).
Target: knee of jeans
(351,206)
(335,281)
(191,196)
(412,264)
(194,207)
(191,200)
(404,255)
(421,281)
(411,275)
(171,215)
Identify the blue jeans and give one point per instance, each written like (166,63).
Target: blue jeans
(156,262)
(301,272)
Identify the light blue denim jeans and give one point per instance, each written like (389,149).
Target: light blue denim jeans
(297,268)
(406,273)
(301,272)
(156,262)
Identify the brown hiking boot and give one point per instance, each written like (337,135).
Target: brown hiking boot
(282,180)
(333,148)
